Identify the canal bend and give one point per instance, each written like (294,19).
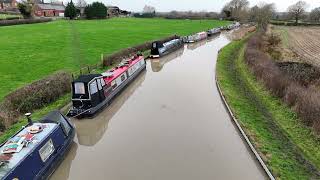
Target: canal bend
(169,123)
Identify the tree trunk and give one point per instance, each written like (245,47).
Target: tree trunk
(297,18)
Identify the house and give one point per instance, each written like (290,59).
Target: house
(8,4)
(49,9)
(114,11)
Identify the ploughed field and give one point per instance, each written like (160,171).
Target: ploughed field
(30,52)
(304,41)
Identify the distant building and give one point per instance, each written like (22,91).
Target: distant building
(49,9)
(8,4)
(114,11)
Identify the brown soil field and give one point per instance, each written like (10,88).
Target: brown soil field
(302,41)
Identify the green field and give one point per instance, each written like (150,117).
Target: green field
(30,52)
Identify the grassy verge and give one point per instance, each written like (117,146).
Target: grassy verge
(283,142)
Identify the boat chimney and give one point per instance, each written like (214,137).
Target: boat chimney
(28,115)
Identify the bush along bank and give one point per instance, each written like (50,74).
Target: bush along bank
(288,148)
(33,96)
(23,21)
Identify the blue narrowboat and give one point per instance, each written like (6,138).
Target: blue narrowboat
(37,149)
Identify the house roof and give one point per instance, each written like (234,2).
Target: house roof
(58,7)
(6,1)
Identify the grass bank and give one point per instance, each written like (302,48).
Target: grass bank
(289,148)
(30,52)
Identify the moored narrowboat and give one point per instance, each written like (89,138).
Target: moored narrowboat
(214,31)
(37,149)
(233,26)
(196,37)
(160,49)
(92,92)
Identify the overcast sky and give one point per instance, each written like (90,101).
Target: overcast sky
(194,5)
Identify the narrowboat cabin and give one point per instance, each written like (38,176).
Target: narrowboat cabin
(91,92)
(233,26)
(214,31)
(37,149)
(160,49)
(196,37)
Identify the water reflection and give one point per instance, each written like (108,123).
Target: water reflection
(157,64)
(62,173)
(90,131)
(193,46)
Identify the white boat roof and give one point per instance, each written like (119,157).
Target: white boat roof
(19,156)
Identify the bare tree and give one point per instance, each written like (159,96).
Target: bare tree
(297,10)
(262,14)
(149,9)
(315,14)
(236,9)
(81,4)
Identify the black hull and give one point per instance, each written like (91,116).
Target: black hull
(92,112)
(213,34)
(153,56)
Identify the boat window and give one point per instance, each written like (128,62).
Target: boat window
(123,77)
(99,84)
(46,150)
(102,82)
(65,125)
(113,84)
(154,45)
(93,87)
(79,88)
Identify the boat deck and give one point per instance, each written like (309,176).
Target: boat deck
(117,72)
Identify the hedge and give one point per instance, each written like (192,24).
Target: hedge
(33,96)
(23,21)
(116,57)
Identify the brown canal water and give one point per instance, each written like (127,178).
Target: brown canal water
(169,124)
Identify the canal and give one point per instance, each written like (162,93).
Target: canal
(170,123)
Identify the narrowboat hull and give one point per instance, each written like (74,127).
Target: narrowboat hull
(163,51)
(43,153)
(50,168)
(213,33)
(196,37)
(91,112)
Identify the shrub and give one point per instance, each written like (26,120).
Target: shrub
(34,96)
(292,94)
(25,8)
(308,106)
(70,11)
(23,21)
(95,10)
(286,85)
